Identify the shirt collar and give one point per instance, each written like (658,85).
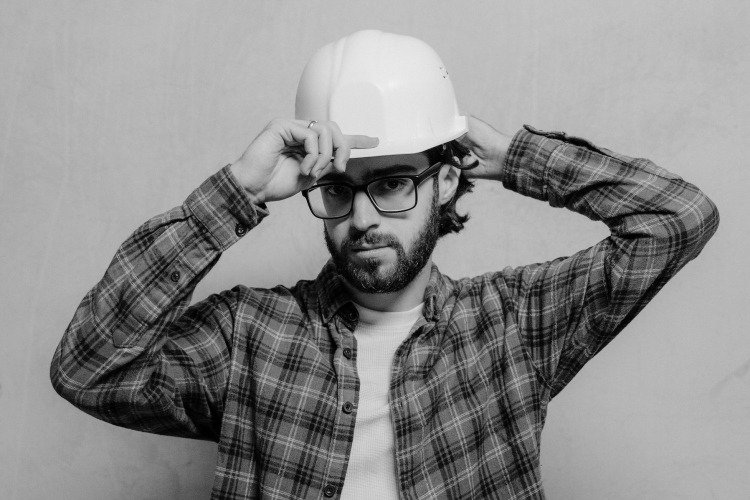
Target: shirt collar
(333,295)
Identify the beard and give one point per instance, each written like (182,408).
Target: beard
(367,276)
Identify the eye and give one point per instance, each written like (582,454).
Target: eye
(334,190)
(393,184)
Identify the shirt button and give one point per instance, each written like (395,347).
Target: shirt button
(175,276)
(240,230)
(347,407)
(347,353)
(329,490)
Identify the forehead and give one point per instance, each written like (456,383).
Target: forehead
(362,169)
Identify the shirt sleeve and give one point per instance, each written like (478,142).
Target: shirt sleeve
(135,354)
(568,309)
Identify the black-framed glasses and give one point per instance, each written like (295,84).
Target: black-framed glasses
(389,194)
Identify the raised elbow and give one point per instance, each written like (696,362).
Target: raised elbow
(699,220)
(705,219)
(61,382)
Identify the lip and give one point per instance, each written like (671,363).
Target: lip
(366,249)
(373,247)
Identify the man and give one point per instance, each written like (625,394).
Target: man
(382,377)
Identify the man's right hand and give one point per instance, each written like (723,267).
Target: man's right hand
(289,156)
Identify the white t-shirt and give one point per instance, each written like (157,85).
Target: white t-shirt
(372,468)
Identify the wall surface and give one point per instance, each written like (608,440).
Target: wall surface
(111,112)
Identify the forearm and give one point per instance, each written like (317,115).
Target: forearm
(112,353)
(634,197)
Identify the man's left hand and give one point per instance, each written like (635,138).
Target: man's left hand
(488,149)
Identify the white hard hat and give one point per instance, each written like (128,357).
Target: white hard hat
(389,86)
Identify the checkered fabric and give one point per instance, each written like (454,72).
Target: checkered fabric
(270,374)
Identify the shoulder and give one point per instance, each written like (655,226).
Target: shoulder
(471,295)
(497,290)
(492,283)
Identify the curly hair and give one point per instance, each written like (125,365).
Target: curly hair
(451,153)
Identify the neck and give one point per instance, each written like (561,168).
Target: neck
(407,298)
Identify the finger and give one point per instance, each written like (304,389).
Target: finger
(308,138)
(307,164)
(322,162)
(341,151)
(329,168)
(468,162)
(362,141)
(325,147)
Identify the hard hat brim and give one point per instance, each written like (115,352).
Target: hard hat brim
(413,145)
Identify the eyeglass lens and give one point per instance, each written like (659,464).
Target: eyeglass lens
(390,194)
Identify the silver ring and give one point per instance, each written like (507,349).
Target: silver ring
(312,122)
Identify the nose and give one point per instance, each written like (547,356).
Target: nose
(364,214)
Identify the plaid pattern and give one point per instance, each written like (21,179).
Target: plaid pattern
(262,371)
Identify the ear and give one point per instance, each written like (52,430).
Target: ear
(447,182)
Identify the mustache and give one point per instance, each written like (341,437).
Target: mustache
(358,238)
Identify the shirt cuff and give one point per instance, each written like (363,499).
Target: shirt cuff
(525,167)
(224,209)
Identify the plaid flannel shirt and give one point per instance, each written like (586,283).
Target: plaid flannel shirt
(271,373)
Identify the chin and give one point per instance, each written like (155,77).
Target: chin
(374,267)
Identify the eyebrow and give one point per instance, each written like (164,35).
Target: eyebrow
(383,172)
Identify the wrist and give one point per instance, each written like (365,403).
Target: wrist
(238,172)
